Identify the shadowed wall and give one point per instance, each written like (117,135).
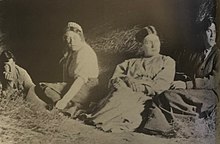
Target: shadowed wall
(34,29)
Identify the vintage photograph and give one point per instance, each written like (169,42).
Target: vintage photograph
(109,71)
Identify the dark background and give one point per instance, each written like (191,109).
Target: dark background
(33,28)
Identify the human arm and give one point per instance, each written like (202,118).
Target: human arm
(28,83)
(121,70)
(163,79)
(180,81)
(211,80)
(73,90)
(117,80)
(86,67)
(157,84)
(178,85)
(202,83)
(24,79)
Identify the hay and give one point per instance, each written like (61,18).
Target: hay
(118,41)
(197,127)
(113,47)
(26,123)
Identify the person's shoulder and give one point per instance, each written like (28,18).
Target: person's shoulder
(127,61)
(216,52)
(167,58)
(20,70)
(217,49)
(131,60)
(87,47)
(86,50)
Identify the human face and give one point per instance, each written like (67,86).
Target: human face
(210,36)
(9,69)
(151,45)
(9,66)
(72,40)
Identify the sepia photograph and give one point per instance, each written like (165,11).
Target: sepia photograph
(109,71)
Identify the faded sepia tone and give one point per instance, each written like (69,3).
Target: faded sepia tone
(218,108)
(35,32)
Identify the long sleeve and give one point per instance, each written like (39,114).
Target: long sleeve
(163,79)
(28,83)
(210,81)
(121,70)
(201,83)
(151,76)
(23,78)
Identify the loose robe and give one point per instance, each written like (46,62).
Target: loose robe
(123,110)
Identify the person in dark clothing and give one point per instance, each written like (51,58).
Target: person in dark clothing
(195,94)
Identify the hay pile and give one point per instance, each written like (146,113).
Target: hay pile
(113,47)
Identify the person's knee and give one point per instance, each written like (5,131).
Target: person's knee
(33,99)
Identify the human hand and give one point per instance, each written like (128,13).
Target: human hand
(178,85)
(134,84)
(182,76)
(118,83)
(8,76)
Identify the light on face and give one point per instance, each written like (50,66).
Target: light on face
(151,45)
(73,40)
(148,43)
(210,35)
(9,66)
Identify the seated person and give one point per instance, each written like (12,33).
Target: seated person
(135,81)
(80,75)
(194,96)
(12,77)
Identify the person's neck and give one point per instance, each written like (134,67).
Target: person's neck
(150,56)
(209,46)
(76,49)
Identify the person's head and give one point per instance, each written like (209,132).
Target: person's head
(209,33)
(73,36)
(7,61)
(149,40)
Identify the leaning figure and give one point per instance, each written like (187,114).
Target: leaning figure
(133,82)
